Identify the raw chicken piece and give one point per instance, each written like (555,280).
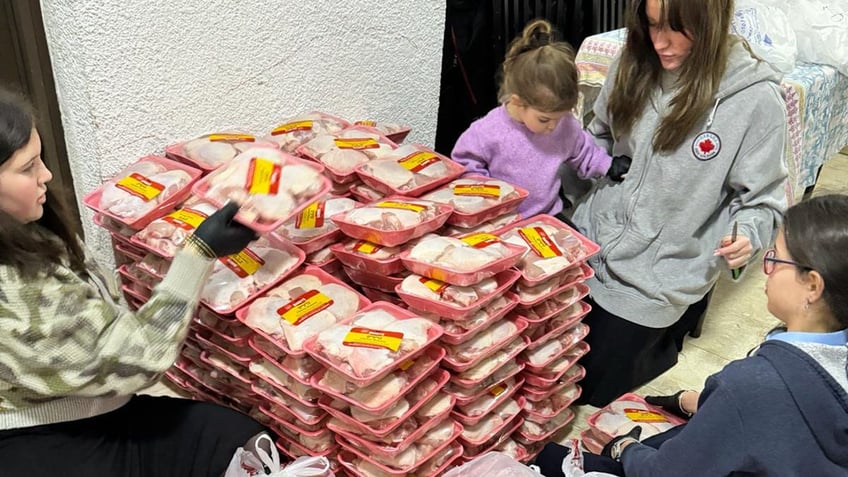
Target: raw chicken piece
(262,368)
(372,251)
(342,152)
(616,424)
(487,402)
(552,249)
(366,193)
(533,429)
(434,407)
(486,227)
(372,396)
(450,294)
(409,167)
(559,321)
(320,256)
(168,233)
(479,317)
(487,426)
(392,214)
(456,254)
(383,419)
(120,196)
(300,129)
(436,436)
(533,293)
(554,304)
(469,195)
(315,219)
(215,149)
(491,363)
(264,198)
(492,337)
(555,403)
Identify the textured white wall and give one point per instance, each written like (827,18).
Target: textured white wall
(135,75)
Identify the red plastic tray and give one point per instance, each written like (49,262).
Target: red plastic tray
(533,439)
(472,452)
(541,418)
(92,199)
(346,459)
(507,390)
(459,366)
(338,175)
(581,291)
(545,379)
(391,238)
(593,418)
(302,129)
(463,277)
(231,367)
(177,151)
(473,219)
(458,338)
(535,394)
(590,442)
(446,310)
(587,273)
(454,170)
(317,415)
(562,328)
(361,261)
(364,278)
(497,432)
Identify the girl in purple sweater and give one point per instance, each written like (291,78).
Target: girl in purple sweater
(526,139)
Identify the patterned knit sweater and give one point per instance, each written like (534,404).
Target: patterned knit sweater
(70,351)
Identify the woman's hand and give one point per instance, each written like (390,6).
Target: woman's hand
(219,235)
(683,403)
(738,253)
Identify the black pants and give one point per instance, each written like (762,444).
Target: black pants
(149,436)
(624,355)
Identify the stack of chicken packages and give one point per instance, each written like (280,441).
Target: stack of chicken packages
(550,291)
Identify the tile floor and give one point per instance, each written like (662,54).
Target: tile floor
(736,321)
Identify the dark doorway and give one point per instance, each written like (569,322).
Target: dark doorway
(25,67)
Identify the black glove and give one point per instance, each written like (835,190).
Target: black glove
(219,235)
(670,403)
(620,165)
(634,433)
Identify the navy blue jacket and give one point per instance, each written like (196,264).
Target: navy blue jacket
(776,413)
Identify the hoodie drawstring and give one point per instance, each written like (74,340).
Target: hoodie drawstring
(712,114)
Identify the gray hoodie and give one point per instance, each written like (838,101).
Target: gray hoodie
(659,228)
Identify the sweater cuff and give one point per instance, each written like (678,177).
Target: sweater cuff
(187,275)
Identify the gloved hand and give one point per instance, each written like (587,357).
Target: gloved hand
(614,451)
(671,403)
(619,167)
(219,236)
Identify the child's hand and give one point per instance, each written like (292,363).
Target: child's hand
(619,167)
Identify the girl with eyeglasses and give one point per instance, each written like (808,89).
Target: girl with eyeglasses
(782,411)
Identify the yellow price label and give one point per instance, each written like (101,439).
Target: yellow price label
(540,242)
(641,415)
(406,365)
(366,122)
(263,176)
(291,127)
(389,204)
(367,248)
(418,161)
(216,137)
(244,263)
(186,219)
(489,191)
(356,143)
(304,307)
(436,286)
(311,217)
(481,240)
(140,186)
(497,390)
(367,338)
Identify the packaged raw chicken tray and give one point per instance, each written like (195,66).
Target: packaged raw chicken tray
(393,221)
(396,132)
(532,295)
(383,283)
(270,187)
(460,331)
(409,170)
(211,151)
(471,413)
(311,229)
(561,367)
(477,199)
(552,406)
(464,261)
(340,153)
(535,430)
(143,191)
(466,355)
(372,344)
(300,308)
(385,393)
(534,393)
(301,368)
(542,333)
(552,247)
(297,130)
(549,307)
(368,256)
(627,412)
(493,426)
(488,226)
(166,235)
(492,464)
(537,358)
(236,279)
(452,301)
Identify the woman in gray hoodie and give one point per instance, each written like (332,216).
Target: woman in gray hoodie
(704,121)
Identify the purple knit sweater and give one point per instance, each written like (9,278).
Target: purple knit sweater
(502,148)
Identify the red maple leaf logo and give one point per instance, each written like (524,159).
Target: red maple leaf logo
(706,146)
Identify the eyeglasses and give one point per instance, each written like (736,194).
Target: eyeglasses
(770,262)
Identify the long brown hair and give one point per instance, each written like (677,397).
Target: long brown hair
(707,23)
(39,246)
(540,70)
(816,233)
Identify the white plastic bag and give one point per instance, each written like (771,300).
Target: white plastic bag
(822,30)
(768,31)
(251,464)
(572,466)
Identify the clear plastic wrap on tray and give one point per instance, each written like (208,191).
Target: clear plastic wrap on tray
(310,414)
(460,331)
(211,151)
(143,191)
(463,261)
(311,229)
(370,345)
(271,373)
(477,199)
(466,355)
(356,466)
(270,187)
(484,373)
(492,424)
(381,395)
(471,413)
(554,372)
(488,226)
(280,418)
(547,309)
(552,406)
(451,301)
(539,388)
(396,132)
(409,170)
(552,247)
(300,308)
(540,334)
(393,221)
(371,257)
(630,410)
(532,295)
(531,431)
(365,194)
(236,279)
(301,368)
(297,130)
(383,283)
(341,152)
(166,235)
